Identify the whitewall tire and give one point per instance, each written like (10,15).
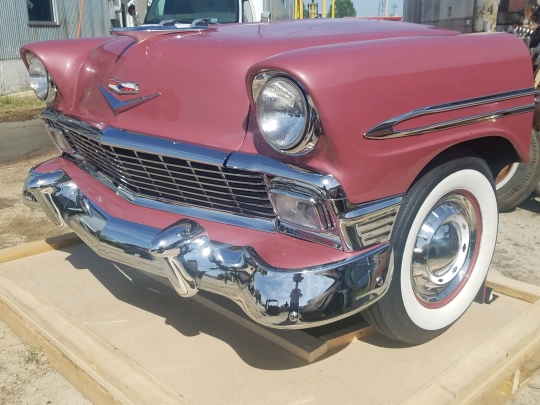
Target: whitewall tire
(443,241)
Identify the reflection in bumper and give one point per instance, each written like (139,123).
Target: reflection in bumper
(191,260)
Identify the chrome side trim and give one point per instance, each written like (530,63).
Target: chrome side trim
(370,223)
(386,129)
(186,255)
(374,206)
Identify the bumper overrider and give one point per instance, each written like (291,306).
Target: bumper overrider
(186,255)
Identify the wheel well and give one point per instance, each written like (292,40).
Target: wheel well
(498,152)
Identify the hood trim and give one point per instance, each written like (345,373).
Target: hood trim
(118,106)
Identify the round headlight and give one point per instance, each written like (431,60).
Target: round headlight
(39,78)
(282,113)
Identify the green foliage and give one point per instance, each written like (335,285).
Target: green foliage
(343,8)
(10,102)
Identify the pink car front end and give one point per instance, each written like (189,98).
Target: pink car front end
(282,165)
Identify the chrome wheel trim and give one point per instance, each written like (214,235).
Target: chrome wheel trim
(510,173)
(471,182)
(444,251)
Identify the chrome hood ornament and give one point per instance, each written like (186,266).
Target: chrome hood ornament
(119,106)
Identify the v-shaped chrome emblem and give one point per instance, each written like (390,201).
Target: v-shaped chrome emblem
(119,106)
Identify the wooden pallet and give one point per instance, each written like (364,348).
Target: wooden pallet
(487,375)
(307,346)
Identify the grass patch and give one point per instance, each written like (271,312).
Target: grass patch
(18,103)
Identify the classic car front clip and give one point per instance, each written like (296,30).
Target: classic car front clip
(186,255)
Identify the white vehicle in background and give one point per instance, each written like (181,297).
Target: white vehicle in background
(183,13)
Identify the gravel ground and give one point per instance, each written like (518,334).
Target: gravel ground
(517,254)
(27,378)
(19,224)
(530,394)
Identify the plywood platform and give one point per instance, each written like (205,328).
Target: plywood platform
(122,337)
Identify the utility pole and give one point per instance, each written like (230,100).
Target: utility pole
(394,10)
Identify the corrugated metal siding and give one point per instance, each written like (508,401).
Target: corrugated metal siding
(437,13)
(15,31)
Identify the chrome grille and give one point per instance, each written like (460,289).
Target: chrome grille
(176,181)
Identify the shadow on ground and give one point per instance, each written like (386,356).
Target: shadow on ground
(185,315)
(531,204)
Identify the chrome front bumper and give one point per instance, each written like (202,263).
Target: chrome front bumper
(186,255)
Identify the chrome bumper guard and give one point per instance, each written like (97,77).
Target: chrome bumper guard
(185,254)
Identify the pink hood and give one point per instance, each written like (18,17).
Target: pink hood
(200,76)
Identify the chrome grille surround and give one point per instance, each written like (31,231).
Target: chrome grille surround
(173,180)
(224,187)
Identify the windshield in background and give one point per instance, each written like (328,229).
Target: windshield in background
(185,11)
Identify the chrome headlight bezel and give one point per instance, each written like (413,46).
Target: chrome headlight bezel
(312,128)
(50,94)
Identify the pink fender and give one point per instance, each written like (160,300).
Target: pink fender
(377,80)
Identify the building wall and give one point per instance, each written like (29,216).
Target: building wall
(453,14)
(15,31)
(13,76)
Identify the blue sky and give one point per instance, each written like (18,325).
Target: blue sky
(365,8)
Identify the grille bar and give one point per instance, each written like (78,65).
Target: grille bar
(174,180)
(110,151)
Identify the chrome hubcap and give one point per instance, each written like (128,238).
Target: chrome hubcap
(444,249)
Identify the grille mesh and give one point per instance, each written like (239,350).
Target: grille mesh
(178,181)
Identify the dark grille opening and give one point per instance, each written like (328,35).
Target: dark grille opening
(174,180)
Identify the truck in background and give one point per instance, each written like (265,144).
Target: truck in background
(184,12)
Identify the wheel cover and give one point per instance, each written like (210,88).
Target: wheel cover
(445,249)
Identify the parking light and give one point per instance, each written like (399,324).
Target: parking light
(296,209)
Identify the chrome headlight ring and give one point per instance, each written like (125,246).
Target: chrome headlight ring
(40,80)
(312,128)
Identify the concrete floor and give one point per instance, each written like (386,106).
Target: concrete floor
(210,360)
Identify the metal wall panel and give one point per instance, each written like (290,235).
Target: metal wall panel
(15,31)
